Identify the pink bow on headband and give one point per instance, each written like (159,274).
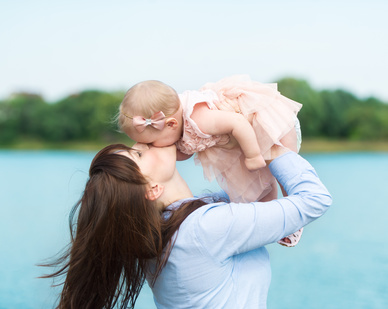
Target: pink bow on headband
(157,121)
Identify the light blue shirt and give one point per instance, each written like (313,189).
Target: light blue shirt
(219,259)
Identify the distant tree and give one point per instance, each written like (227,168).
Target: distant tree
(368,120)
(336,105)
(88,115)
(312,114)
(336,113)
(85,116)
(21,116)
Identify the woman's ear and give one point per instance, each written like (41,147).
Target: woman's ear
(172,123)
(154,192)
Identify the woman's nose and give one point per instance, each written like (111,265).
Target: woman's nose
(141,146)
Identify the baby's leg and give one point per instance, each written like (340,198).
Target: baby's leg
(290,140)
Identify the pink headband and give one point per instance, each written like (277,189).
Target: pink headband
(140,123)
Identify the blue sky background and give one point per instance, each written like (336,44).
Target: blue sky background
(56,48)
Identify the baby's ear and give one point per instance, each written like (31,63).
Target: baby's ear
(172,123)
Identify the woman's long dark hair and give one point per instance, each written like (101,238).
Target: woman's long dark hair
(117,230)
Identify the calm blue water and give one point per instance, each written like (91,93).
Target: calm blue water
(341,261)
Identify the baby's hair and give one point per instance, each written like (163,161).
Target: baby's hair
(147,98)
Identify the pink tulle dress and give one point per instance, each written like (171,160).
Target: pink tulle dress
(273,117)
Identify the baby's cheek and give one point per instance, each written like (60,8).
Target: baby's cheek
(140,138)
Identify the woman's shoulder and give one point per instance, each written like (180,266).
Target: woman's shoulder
(213,201)
(210,217)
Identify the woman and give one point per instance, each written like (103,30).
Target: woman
(138,220)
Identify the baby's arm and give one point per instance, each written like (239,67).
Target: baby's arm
(216,122)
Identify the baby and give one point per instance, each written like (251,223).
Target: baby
(231,125)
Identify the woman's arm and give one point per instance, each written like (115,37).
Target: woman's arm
(229,229)
(217,122)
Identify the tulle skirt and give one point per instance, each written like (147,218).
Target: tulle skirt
(271,115)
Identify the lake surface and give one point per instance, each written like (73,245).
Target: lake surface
(341,261)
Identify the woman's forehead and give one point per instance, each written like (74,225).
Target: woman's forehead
(120,151)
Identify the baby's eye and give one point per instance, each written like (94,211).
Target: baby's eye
(139,153)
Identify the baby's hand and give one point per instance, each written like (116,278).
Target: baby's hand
(255,163)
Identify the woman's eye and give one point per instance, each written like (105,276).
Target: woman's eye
(138,153)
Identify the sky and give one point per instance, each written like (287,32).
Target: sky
(60,47)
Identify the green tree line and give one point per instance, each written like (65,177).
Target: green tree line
(88,116)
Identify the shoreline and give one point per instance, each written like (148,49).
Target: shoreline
(327,146)
(308,146)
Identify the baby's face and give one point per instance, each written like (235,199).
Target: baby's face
(158,138)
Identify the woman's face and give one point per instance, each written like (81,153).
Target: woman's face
(157,164)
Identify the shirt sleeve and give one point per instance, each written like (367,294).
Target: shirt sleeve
(225,230)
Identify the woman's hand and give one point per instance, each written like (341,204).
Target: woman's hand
(255,163)
(277,151)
